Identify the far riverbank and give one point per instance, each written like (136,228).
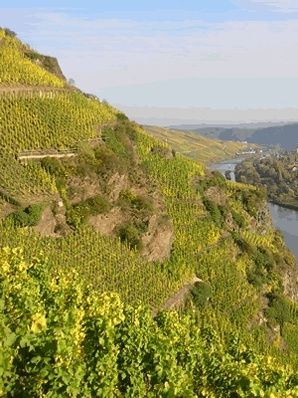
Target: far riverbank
(284,218)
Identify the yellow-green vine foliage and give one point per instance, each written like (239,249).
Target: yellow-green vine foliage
(58,339)
(44,121)
(102,261)
(50,120)
(16,69)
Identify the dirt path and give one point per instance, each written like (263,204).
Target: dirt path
(174,301)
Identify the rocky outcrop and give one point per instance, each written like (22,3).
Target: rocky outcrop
(116,184)
(157,242)
(262,221)
(290,283)
(107,223)
(216,195)
(47,224)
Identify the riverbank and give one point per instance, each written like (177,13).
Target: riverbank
(284,218)
(284,205)
(277,173)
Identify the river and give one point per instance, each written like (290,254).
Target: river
(286,220)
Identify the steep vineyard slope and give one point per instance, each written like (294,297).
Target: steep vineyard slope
(195,145)
(93,246)
(16,67)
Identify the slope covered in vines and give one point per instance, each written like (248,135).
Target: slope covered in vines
(92,247)
(17,69)
(58,339)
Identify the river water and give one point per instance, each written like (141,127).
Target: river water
(286,220)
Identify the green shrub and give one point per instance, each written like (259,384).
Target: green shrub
(215,211)
(74,217)
(121,117)
(86,163)
(129,200)
(215,180)
(10,32)
(28,217)
(281,310)
(109,162)
(238,218)
(53,166)
(131,235)
(85,151)
(78,213)
(118,140)
(263,265)
(243,245)
(201,294)
(253,200)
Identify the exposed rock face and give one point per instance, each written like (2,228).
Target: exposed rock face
(47,223)
(290,283)
(262,221)
(107,223)
(116,184)
(157,242)
(83,189)
(50,64)
(216,195)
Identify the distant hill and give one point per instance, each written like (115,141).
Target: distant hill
(284,135)
(196,146)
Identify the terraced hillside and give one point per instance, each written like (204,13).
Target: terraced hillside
(94,246)
(195,145)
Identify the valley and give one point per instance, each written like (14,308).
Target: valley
(128,269)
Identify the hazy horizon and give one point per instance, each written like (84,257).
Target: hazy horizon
(203,116)
(232,54)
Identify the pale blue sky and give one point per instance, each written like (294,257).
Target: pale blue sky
(191,53)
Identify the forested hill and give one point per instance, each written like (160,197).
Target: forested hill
(103,227)
(285,135)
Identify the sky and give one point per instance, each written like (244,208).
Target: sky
(217,54)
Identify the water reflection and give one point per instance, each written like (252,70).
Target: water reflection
(286,220)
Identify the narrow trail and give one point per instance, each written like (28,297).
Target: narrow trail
(177,298)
